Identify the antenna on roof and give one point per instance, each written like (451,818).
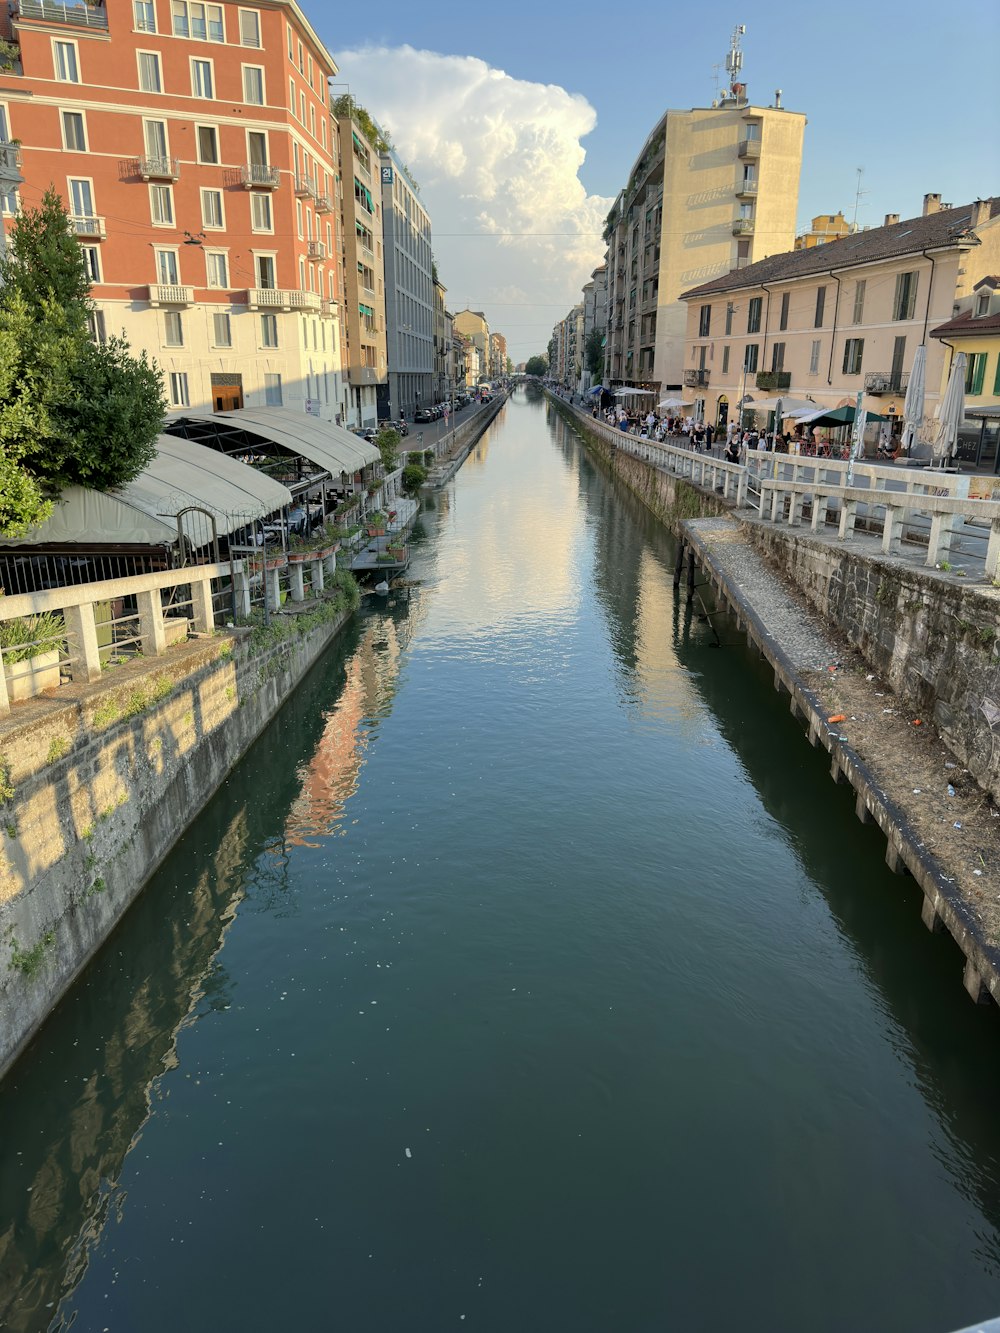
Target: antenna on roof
(857,197)
(734,63)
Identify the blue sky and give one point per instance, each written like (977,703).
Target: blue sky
(885,87)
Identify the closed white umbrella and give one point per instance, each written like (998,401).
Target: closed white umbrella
(913,407)
(952,411)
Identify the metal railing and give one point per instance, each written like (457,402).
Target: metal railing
(746,188)
(89,227)
(886,381)
(773,379)
(261,175)
(77,16)
(305,187)
(324,204)
(159,168)
(316,250)
(696,379)
(743,226)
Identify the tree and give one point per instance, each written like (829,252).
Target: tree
(388,441)
(594,351)
(71,411)
(536,365)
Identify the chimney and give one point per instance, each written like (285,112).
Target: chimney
(890,219)
(932,204)
(979,213)
(777,99)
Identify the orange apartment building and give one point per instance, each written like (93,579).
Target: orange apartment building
(193,145)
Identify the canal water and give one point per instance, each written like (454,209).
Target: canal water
(529,974)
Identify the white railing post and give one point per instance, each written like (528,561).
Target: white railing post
(296,581)
(942,527)
(4,697)
(202,610)
(892,528)
(318,581)
(272,588)
(82,628)
(993,551)
(242,581)
(152,635)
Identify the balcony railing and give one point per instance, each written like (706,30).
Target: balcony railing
(260,176)
(328,309)
(324,204)
(88,228)
(158,168)
(162,294)
(886,381)
(773,379)
(746,189)
(749,148)
(281,298)
(316,250)
(696,379)
(743,226)
(10,156)
(305,187)
(76,16)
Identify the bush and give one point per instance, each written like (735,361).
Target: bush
(24,639)
(414,477)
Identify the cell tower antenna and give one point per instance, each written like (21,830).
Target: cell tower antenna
(858,193)
(734,62)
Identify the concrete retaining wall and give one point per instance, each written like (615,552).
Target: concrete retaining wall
(98,783)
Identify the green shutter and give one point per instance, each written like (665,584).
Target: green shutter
(996,382)
(977,381)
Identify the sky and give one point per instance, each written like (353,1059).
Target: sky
(521,123)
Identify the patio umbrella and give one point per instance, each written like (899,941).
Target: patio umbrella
(952,411)
(789,406)
(913,407)
(672,403)
(598,388)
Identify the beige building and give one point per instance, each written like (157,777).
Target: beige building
(474,325)
(713,190)
(831,321)
(825,227)
(364,342)
(498,355)
(442,342)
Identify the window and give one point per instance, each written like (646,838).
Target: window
(217,268)
(264,267)
(257,148)
(249,27)
(269,330)
(982,304)
(783,318)
(704,321)
(154,134)
(975,369)
(253,85)
(996,381)
(725,360)
(95,327)
(91,256)
(820,307)
(291,44)
(144,14)
(150,79)
(750,358)
(814,357)
(272,390)
(161,205)
(302,107)
(905,299)
(66,62)
(298,218)
(309,66)
(302,68)
(853,350)
(74,135)
(211,209)
(753,314)
(81,198)
(859,302)
(777,357)
(201,22)
(208,143)
(291,95)
(730,311)
(260,212)
(201,79)
(173,329)
(222,334)
(166,268)
(179,388)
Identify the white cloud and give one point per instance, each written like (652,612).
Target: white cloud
(497,158)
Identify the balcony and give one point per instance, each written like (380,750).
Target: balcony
(324,204)
(160,294)
(696,379)
(886,381)
(260,176)
(305,187)
(363,375)
(328,309)
(743,226)
(749,148)
(746,190)
(773,379)
(158,168)
(10,157)
(73,16)
(88,228)
(280,298)
(316,250)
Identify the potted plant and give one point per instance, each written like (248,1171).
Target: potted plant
(298,552)
(31,647)
(376,524)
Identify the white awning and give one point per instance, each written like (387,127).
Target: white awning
(328,446)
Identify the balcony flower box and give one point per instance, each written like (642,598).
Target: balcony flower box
(276,562)
(31,654)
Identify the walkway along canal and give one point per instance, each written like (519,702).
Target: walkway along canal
(528,973)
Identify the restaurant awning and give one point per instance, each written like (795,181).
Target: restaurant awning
(327,446)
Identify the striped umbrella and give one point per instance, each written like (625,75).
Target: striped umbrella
(913,407)
(952,411)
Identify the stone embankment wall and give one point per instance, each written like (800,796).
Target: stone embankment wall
(465,436)
(98,783)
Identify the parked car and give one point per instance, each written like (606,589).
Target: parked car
(423,414)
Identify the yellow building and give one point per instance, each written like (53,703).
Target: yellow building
(831,321)
(473,324)
(975,330)
(826,227)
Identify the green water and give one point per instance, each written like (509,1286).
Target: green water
(529,974)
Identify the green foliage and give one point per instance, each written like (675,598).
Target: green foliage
(7,787)
(71,412)
(594,351)
(143,696)
(388,442)
(428,457)
(414,477)
(23,639)
(345,105)
(58,746)
(536,365)
(28,961)
(10,54)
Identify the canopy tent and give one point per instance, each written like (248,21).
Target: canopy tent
(836,416)
(790,406)
(328,447)
(144,511)
(634,393)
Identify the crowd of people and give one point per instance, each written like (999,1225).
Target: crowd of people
(731,441)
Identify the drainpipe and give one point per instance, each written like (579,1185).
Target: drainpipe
(833,335)
(927,311)
(767,321)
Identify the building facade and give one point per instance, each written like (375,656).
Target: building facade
(409,292)
(474,325)
(828,322)
(714,189)
(825,227)
(975,330)
(442,342)
(192,145)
